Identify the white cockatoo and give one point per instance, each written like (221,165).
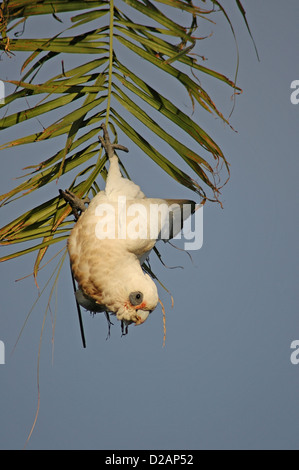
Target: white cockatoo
(111,240)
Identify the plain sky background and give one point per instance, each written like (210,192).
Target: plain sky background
(224,379)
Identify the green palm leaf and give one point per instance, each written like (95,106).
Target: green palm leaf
(103,88)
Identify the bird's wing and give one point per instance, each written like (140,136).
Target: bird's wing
(167,216)
(150,219)
(179,211)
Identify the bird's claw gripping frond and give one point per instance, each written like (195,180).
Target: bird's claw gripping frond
(77,204)
(106,143)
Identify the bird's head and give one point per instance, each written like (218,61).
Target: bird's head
(139,297)
(131,299)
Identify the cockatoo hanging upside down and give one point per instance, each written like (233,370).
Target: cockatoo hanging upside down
(111,240)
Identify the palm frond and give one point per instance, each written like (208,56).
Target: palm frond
(82,97)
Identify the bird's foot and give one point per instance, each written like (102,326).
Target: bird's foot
(109,324)
(124,328)
(106,143)
(77,204)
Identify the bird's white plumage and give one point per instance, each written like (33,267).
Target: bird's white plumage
(117,186)
(108,271)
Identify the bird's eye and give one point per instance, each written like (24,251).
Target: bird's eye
(136,298)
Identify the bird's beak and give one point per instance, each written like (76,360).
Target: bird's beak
(141,316)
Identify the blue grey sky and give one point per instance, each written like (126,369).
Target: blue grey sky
(224,379)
